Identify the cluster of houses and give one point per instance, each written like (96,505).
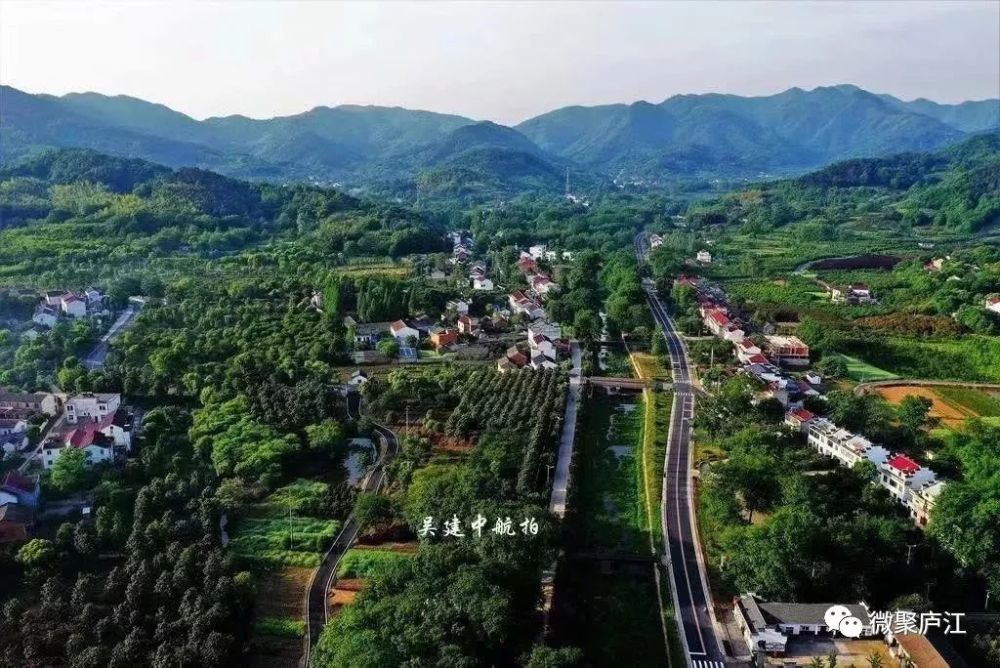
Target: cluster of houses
(544,338)
(854,293)
(545,344)
(915,487)
(94,423)
(764,358)
(56,304)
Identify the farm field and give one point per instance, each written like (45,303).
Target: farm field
(279,622)
(981,402)
(863,372)
(950,415)
(281,531)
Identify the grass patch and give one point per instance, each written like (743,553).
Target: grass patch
(863,372)
(282,627)
(300,541)
(300,496)
(368,563)
(650,366)
(656,428)
(977,401)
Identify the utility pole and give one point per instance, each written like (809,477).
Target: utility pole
(909,554)
(290,528)
(548,470)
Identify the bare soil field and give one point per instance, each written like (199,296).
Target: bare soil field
(950,414)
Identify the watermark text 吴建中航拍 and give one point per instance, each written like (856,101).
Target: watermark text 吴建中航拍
(455,528)
(898,622)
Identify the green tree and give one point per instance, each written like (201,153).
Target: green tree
(69,473)
(388,347)
(36,553)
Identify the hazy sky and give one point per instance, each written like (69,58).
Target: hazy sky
(499,61)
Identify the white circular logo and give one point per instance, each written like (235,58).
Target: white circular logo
(834,615)
(851,627)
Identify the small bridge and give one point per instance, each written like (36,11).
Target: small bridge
(632,384)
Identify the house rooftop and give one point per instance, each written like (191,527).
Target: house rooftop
(904,464)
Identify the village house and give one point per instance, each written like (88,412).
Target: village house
(993,304)
(847,447)
(918,649)
(522,304)
(527,265)
(935,264)
(513,359)
(401,331)
(790,350)
(542,284)
(13,435)
(550,330)
(468,325)
(537,252)
(46,316)
(459,306)
(799,419)
(16,522)
(482,284)
(444,338)
(655,241)
(704,256)
(767,626)
(902,476)
(716,321)
(91,407)
(747,349)
(19,488)
(14,404)
(855,293)
(73,306)
(368,333)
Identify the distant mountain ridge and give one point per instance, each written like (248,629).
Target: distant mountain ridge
(684,136)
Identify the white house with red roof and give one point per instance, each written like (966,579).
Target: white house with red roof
(716,321)
(993,304)
(799,419)
(901,475)
(401,331)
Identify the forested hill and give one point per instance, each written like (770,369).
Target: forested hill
(957,188)
(427,153)
(100,201)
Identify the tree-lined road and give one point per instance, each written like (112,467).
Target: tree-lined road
(687,574)
(317,595)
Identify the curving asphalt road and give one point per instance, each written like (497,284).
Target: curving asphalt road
(690,584)
(317,599)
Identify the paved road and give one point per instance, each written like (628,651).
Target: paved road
(560,483)
(95,358)
(690,584)
(317,610)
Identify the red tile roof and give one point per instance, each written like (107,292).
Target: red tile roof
(20,482)
(802,415)
(719,317)
(758,359)
(904,465)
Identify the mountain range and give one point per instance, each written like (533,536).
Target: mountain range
(710,135)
